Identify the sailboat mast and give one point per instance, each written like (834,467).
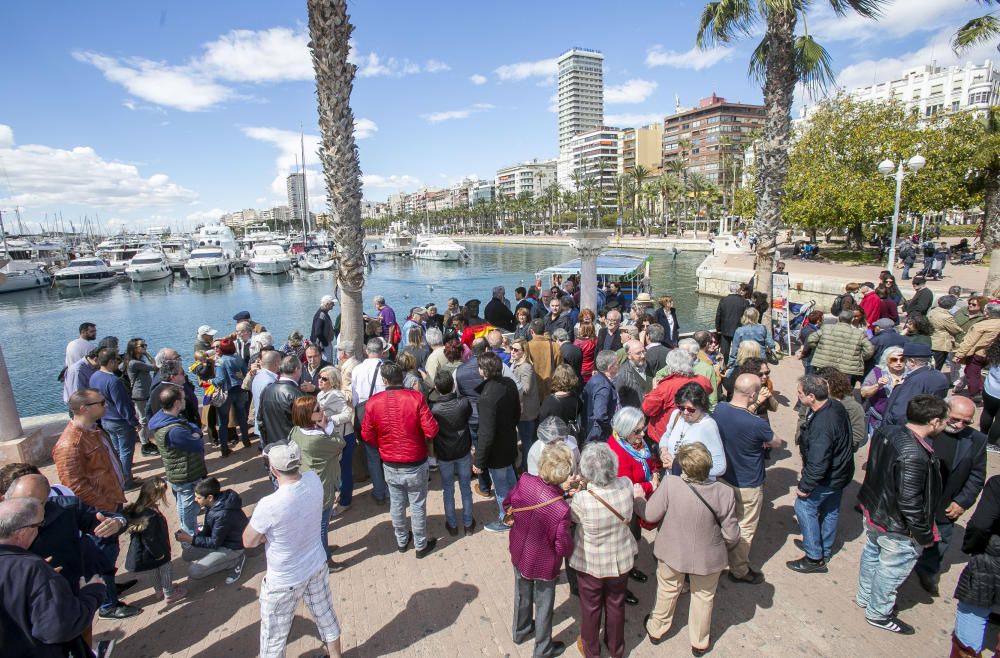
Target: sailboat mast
(305,191)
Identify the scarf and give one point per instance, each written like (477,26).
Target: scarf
(640,456)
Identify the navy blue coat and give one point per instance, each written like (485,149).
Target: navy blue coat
(600,402)
(885,338)
(925,380)
(224,523)
(964,482)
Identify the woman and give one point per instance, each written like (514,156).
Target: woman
(139,367)
(604,550)
(523,324)
(706,510)
(539,540)
(320,454)
(635,461)
(666,315)
(562,402)
(586,315)
(892,291)
(813,322)
(527,392)
(888,307)
(758,301)
(991,394)
(750,349)
(586,340)
(412,378)
(339,422)
(878,384)
(918,329)
(846,301)
(978,587)
(750,329)
(229,373)
(294,346)
(688,423)
(842,389)
(416,346)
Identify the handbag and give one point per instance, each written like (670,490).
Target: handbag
(219,397)
(508,516)
(705,503)
(605,503)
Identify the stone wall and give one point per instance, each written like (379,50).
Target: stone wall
(714,279)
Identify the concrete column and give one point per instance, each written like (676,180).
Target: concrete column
(10,421)
(589,243)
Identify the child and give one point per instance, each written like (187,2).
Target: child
(149,548)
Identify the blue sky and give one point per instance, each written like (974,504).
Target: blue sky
(148,114)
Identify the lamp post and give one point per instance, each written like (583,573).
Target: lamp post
(914,164)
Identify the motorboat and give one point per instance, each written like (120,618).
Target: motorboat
(119,250)
(177,252)
(269,259)
(84,272)
(629,270)
(214,253)
(397,238)
(434,247)
(148,265)
(316,259)
(15,276)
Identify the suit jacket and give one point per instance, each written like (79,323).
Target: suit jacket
(964,482)
(616,340)
(670,334)
(924,380)
(600,402)
(729,313)
(632,386)
(656,358)
(275,417)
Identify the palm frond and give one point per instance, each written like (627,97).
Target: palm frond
(813,64)
(867,8)
(977,30)
(723,20)
(758,62)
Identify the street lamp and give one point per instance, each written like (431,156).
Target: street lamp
(886,167)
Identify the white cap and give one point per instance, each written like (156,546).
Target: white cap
(206,329)
(283,456)
(327,299)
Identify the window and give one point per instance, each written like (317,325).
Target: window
(979,98)
(933,109)
(954,106)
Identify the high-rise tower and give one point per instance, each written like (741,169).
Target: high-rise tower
(581,101)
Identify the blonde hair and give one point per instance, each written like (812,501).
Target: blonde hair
(695,460)
(556,463)
(748,349)
(750,316)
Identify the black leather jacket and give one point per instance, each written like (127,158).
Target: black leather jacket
(902,485)
(276,410)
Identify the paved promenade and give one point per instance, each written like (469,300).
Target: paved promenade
(458,601)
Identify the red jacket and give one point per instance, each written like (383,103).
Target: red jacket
(629,467)
(589,349)
(660,401)
(871,304)
(399,423)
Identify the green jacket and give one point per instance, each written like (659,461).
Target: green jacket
(179,466)
(321,454)
(840,346)
(966,323)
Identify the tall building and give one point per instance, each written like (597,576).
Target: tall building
(532,176)
(580,101)
(594,161)
(641,146)
(296,185)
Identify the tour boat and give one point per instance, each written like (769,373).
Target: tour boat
(82,272)
(397,237)
(269,259)
(148,265)
(630,270)
(434,247)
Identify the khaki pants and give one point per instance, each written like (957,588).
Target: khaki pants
(668,589)
(748,504)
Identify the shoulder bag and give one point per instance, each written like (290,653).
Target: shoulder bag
(705,503)
(508,517)
(605,503)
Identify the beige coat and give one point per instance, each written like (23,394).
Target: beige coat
(978,338)
(945,329)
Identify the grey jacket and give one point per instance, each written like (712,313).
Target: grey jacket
(140,374)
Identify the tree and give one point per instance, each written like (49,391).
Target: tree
(639,175)
(781,61)
(329,42)
(978,30)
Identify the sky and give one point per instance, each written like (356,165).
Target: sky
(143,114)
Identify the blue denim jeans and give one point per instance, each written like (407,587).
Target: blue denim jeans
(886,561)
(324,529)
(970,625)
(818,514)
(462,469)
(408,487)
(504,480)
(123,438)
(347,471)
(379,491)
(187,509)
(485,483)
(238,402)
(526,432)
(109,548)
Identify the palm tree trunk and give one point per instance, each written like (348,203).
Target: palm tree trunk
(329,36)
(779,88)
(991,229)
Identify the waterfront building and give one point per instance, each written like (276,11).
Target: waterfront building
(641,146)
(296,186)
(481,191)
(580,100)
(532,176)
(929,90)
(594,158)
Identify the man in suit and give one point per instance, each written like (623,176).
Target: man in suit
(600,399)
(729,313)
(609,337)
(962,452)
(921,378)
(656,352)
(571,354)
(632,381)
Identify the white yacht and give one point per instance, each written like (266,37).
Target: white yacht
(83,272)
(177,253)
(435,247)
(119,250)
(148,265)
(214,252)
(397,237)
(269,259)
(15,276)
(317,258)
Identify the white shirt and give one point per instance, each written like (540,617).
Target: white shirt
(361,381)
(535,454)
(261,380)
(288,518)
(705,431)
(77,349)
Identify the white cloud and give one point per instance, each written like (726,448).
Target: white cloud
(464,113)
(554,103)
(364,128)
(633,91)
(435,66)
(899,19)
(477,79)
(543,68)
(393,181)
(694,59)
(373,65)
(43,176)
(273,55)
(212,215)
(633,120)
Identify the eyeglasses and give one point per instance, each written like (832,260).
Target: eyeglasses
(896,359)
(33,525)
(515,349)
(91,404)
(689,410)
(963,421)
(765,373)
(324,379)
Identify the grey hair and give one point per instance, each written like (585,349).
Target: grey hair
(605,359)
(270,358)
(680,362)
(947,301)
(169,368)
(598,464)
(374,346)
(161,356)
(733,287)
(379,299)
(632,331)
(815,385)
(992,309)
(434,337)
(892,350)
(552,429)
(498,292)
(333,374)
(243,325)
(689,344)
(263,339)
(17,513)
(290,365)
(562,335)
(846,316)
(627,420)
(655,333)
(346,346)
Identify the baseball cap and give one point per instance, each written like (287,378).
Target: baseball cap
(206,329)
(283,456)
(327,299)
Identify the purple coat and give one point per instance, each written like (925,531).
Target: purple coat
(540,538)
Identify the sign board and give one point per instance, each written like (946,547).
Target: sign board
(779,312)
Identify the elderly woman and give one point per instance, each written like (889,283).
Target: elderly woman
(706,510)
(260,343)
(552,430)
(635,460)
(604,551)
(320,454)
(658,405)
(539,540)
(750,329)
(229,372)
(527,392)
(339,421)
(688,423)
(878,384)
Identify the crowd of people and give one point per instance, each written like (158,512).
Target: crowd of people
(584,427)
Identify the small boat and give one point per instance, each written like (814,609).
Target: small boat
(628,269)
(397,237)
(269,259)
(84,272)
(208,263)
(148,265)
(434,247)
(316,259)
(22,276)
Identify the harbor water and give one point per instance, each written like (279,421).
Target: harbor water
(35,325)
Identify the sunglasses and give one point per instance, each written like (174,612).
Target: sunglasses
(896,359)
(689,410)
(515,349)
(91,404)
(324,379)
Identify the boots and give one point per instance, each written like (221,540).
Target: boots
(959,650)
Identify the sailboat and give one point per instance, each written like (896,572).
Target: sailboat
(18,275)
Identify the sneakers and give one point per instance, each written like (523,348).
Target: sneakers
(496,526)
(149,449)
(805,565)
(120,611)
(480,492)
(993,447)
(428,547)
(237,571)
(178,594)
(892,624)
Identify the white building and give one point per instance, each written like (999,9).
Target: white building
(594,157)
(532,176)
(482,191)
(580,101)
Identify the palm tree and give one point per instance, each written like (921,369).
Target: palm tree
(639,175)
(329,41)
(677,169)
(978,30)
(781,61)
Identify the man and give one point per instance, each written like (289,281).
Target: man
(386,316)
(255,327)
(78,374)
(119,419)
(920,379)
(39,612)
(79,347)
(322,334)
(172,374)
(944,329)
(545,356)
(972,350)
(656,351)
(728,315)
(414,320)
(557,319)
(495,340)
(541,309)
(309,379)
(968,315)
(779,267)
(961,451)
(467,381)
(87,463)
(842,346)
(286,522)
(907,256)
(525,299)
(366,382)
(499,409)
(275,416)
(183,452)
(433,320)
(203,338)
(922,296)
(609,337)
(242,338)
(632,381)
(266,374)
(453,310)
(825,443)
(399,424)
(870,304)
(746,440)
(218,544)
(497,312)
(899,498)
(600,399)
(613,299)
(569,353)
(884,335)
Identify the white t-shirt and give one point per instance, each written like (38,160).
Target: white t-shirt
(77,349)
(289,519)
(705,431)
